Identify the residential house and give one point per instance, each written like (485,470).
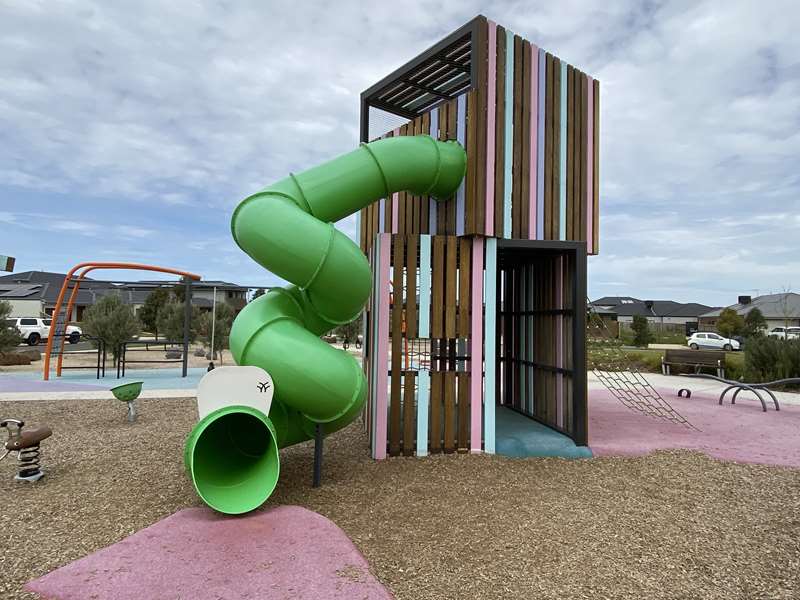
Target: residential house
(34,293)
(661,314)
(779,310)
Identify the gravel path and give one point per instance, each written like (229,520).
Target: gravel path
(670,525)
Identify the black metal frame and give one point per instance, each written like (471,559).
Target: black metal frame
(507,248)
(101,351)
(122,360)
(428,80)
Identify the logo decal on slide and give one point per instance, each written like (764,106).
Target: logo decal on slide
(263,386)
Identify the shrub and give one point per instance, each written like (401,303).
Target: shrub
(222,327)
(730,323)
(641,331)
(171,318)
(9,335)
(152,307)
(754,323)
(111,321)
(768,359)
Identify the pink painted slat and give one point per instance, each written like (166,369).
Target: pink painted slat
(382,350)
(590,169)
(491,100)
(560,341)
(534,91)
(476,347)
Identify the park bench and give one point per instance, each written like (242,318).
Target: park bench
(698,359)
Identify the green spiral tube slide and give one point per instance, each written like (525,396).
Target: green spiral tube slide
(288,229)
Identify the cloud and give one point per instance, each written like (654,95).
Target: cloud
(145,123)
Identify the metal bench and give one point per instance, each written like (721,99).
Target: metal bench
(698,359)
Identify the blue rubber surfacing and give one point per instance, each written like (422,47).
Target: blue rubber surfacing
(520,437)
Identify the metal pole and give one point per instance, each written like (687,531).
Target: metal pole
(187,323)
(318,437)
(213,321)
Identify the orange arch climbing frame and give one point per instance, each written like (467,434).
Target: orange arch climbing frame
(85,268)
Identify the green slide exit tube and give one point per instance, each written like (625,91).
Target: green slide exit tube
(288,229)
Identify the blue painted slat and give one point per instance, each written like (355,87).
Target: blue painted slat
(490,346)
(461,136)
(509,134)
(423,391)
(432,214)
(562,194)
(424,285)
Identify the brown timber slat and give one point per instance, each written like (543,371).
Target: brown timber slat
(437,287)
(500,133)
(452,134)
(548,149)
(464,272)
(450,414)
(584,147)
(463,379)
(572,213)
(450,288)
(480,116)
(411,287)
(596,170)
(525,167)
(556,146)
(516,164)
(397,346)
(409,412)
(435,437)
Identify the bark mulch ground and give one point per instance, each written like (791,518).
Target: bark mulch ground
(669,525)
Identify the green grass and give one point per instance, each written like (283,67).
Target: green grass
(649,361)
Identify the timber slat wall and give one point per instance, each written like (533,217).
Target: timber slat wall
(530,128)
(537,152)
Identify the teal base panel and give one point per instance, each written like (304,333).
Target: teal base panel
(521,437)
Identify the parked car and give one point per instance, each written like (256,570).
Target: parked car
(707,339)
(785,333)
(34,329)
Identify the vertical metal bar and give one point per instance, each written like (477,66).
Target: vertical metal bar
(364,121)
(580,409)
(318,437)
(187,323)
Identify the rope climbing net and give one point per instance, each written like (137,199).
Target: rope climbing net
(615,370)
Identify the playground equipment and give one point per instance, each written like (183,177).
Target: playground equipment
(128,392)
(25,444)
(287,228)
(492,281)
(476,216)
(738,387)
(62,314)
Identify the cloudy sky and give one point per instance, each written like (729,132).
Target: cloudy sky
(129,130)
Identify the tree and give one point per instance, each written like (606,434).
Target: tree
(152,307)
(730,323)
(9,334)
(222,327)
(641,331)
(259,292)
(111,321)
(754,323)
(171,320)
(349,330)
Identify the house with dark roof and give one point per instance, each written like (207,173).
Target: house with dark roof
(660,313)
(779,310)
(34,293)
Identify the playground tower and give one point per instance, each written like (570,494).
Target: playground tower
(479,300)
